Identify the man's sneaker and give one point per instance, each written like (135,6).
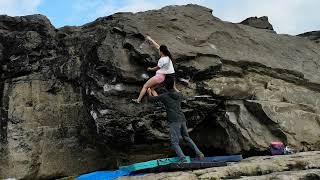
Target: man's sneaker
(200,157)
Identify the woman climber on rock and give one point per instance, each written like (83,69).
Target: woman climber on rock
(164,69)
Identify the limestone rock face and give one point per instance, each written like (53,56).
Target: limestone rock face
(46,130)
(66,93)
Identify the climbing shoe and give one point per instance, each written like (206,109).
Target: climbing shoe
(200,156)
(135,101)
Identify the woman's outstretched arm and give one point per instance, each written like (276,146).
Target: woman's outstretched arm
(155,44)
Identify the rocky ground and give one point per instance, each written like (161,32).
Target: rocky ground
(300,166)
(65,93)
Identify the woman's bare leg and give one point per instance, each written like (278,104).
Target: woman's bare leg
(149,91)
(153,92)
(149,84)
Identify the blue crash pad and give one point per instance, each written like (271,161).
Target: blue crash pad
(184,166)
(151,164)
(103,175)
(232,158)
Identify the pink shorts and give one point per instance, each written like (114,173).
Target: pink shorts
(159,77)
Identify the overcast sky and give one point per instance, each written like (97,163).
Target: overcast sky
(286,16)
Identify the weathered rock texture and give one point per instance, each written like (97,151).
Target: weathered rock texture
(294,167)
(261,22)
(65,103)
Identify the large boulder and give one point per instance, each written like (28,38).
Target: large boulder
(66,93)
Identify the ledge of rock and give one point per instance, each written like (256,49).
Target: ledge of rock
(260,23)
(313,36)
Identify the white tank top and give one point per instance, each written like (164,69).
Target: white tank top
(166,66)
